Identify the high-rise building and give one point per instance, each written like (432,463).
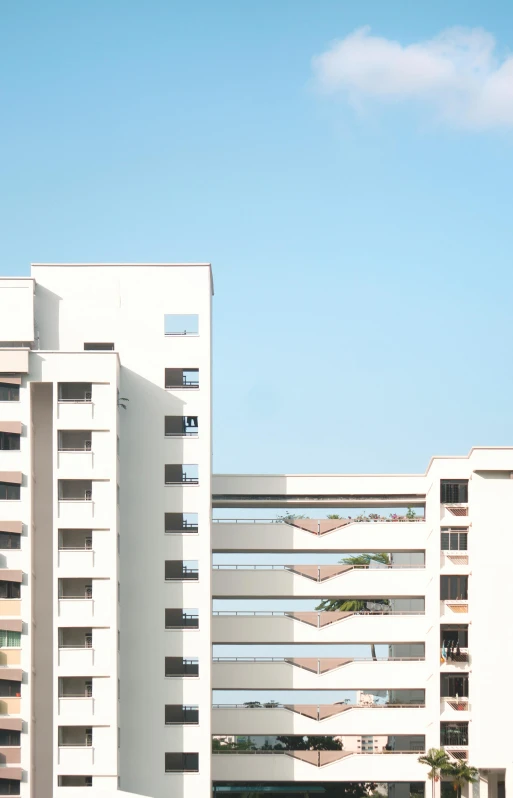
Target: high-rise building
(166,632)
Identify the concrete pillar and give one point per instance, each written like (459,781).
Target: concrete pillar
(483,784)
(509,781)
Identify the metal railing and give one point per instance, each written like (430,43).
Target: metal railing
(382,567)
(291,613)
(348,521)
(317,707)
(319,660)
(291,752)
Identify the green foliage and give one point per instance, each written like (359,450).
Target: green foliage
(410,513)
(460,774)
(437,761)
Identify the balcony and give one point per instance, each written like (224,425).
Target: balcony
(75,403)
(75,452)
(241,759)
(181,571)
(181,474)
(343,534)
(180,426)
(308,719)
(76,549)
(311,673)
(177,619)
(180,523)
(316,627)
(180,667)
(75,501)
(76,748)
(76,700)
(76,599)
(304,580)
(76,652)
(182,379)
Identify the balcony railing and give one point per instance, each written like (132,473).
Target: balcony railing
(317,709)
(293,661)
(343,521)
(293,613)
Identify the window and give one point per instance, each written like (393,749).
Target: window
(9,392)
(9,492)
(103,347)
(181,473)
(453,491)
(75,391)
(454,539)
(453,636)
(9,590)
(181,570)
(182,619)
(181,324)
(8,737)
(9,440)
(10,639)
(75,781)
(8,541)
(180,522)
(182,762)
(9,689)
(181,378)
(453,587)
(454,734)
(178,666)
(9,787)
(454,684)
(182,715)
(178,426)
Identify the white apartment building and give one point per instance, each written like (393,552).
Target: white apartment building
(166,632)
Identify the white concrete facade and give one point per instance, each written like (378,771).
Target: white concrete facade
(106,546)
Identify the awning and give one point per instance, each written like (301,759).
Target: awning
(10,575)
(14,527)
(11,625)
(14,361)
(11,674)
(11,724)
(11,426)
(14,477)
(10,772)
(8,379)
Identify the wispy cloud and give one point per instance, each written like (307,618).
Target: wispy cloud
(457,73)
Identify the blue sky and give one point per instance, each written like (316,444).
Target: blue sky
(360,232)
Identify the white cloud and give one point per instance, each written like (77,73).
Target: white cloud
(457,73)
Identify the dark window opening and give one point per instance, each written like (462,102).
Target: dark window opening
(454,491)
(181,378)
(9,737)
(9,541)
(9,392)
(182,619)
(180,473)
(9,787)
(9,590)
(178,666)
(454,588)
(182,762)
(454,734)
(9,441)
(100,347)
(454,539)
(182,715)
(178,426)
(181,570)
(9,491)
(181,522)
(9,689)
(454,685)
(75,391)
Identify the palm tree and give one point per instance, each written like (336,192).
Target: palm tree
(438,762)
(461,774)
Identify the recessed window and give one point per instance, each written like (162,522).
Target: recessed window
(454,539)
(9,388)
(10,639)
(454,491)
(9,590)
(178,618)
(181,473)
(10,541)
(181,324)
(9,491)
(178,666)
(181,570)
(177,714)
(181,378)
(180,426)
(98,347)
(454,588)
(182,762)
(9,441)
(180,522)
